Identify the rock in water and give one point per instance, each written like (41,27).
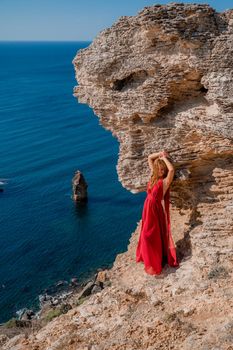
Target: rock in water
(79,187)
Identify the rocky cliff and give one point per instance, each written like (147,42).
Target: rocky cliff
(163,80)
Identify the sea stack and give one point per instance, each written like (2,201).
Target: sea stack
(79,187)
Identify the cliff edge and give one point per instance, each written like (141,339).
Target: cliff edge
(163,80)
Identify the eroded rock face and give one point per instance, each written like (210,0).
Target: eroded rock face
(163,80)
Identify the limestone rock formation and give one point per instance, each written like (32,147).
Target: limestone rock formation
(163,80)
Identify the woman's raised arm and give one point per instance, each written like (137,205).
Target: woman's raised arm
(152,157)
(171,171)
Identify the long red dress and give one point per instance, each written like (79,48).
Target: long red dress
(155,245)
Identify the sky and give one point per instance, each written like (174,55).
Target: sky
(72,20)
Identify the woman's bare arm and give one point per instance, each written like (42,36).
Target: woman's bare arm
(152,157)
(168,179)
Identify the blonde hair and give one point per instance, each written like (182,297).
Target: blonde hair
(158,163)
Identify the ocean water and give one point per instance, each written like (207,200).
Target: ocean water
(45,136)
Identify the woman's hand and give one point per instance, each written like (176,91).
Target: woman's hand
(163,154)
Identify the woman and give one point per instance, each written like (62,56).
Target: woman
(155,246)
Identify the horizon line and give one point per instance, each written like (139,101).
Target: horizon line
(49,41)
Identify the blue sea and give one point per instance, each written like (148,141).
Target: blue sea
(45,136)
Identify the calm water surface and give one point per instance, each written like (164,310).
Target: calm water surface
(45,136)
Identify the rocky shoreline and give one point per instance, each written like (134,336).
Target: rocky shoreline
(56,300)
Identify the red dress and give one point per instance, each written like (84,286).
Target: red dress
(155,245)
